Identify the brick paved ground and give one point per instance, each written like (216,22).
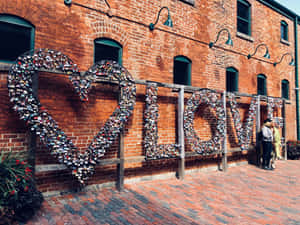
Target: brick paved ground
(243,195)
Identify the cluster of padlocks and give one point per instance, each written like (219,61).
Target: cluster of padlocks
(27,105)
(243,132)
(116,122)
(29,109)
(211,99)
(151,114)
(278,121)
(272,103)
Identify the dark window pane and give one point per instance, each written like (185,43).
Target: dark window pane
(181,72)
(243,11)
(243,27)
(261,86)
(231,81)
(284,32)
(14,41)
(105,52)
(285,89)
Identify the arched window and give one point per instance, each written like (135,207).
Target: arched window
(182,70)
(285,89)
(261,84)
(107,49)
(284,30)
(232,77)
(244,17)
(16,37)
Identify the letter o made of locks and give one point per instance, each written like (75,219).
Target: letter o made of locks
(209,98)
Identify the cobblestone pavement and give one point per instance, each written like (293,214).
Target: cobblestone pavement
(242,195)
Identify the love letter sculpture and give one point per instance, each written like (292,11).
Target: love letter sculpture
(244,133)
(29,109)
(273,103)
(151,114)
(210,98)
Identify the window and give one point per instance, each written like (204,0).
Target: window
(244,17)
(182,70)
(285,89)
(261,84)
(107,49)
(232,77)
(284,30)
(17,37)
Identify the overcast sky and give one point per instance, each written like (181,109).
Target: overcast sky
(293,5)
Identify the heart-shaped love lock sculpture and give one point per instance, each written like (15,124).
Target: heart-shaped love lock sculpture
(29,109)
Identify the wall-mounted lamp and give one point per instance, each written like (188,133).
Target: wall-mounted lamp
(68,2)
(266,55)
(228,42)
(168,22)
(291,63)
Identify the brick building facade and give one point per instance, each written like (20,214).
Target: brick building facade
(76,28)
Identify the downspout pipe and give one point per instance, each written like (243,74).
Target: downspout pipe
(296,77)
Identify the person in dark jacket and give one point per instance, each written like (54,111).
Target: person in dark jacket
(267,139)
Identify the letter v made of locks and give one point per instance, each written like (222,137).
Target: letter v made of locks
(244,132)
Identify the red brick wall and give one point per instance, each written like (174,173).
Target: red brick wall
(147,55)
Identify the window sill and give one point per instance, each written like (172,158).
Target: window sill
(244,36)
(285,42)
(4,67)
(288,101)
(190,2)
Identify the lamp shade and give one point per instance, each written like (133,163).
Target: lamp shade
(169,22)
(267,55)
(292,62)
(229,42)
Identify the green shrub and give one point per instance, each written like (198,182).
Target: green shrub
(19,198)
(293,149)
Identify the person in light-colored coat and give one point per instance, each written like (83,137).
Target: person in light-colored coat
(277,139)
(276,155)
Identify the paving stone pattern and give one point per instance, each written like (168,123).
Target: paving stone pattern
(242,195)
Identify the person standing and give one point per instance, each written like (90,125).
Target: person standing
(267,143)
(277,139)
(275,155)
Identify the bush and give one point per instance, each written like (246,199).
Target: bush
(293,149)
(19,198)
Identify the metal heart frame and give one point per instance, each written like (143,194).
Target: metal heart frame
(29,109)
(210,98)
(244,133)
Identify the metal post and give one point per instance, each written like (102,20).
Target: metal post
(296,77)
(120,167)
(284,129)
(224,154)
(181,162)
(258,147)
(32,136)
